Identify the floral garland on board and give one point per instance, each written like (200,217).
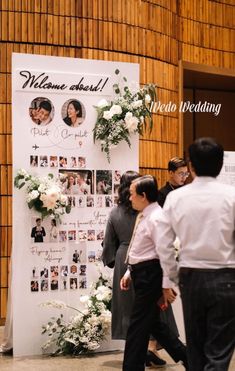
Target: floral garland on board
(128,113)
(43,194)
(85,330)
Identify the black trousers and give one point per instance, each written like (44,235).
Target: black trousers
(208,298)
(145,319)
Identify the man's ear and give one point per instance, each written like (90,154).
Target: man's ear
(191,169)
(144,196)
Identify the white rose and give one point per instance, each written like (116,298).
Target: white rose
(53,193)
(87,326)
(48,202)
(63,198)
(116,109)
(84,299)
(100,297)
(137,104)
(34,194)
(22,172)
(102,103)
(93,345)
(76,320)
(105,317)
(94,320)
(107,115)
(147,98)
(131,122)
(42,188)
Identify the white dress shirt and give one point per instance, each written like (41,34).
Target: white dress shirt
(202,215)
(143,246)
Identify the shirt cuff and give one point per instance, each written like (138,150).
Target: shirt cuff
(127,274)
(168,283)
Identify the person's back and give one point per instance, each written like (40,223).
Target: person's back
(204,211)
(116,241)
(202,215)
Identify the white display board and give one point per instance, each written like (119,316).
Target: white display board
(227,174)
(64,266)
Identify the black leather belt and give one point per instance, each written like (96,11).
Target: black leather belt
(144,264)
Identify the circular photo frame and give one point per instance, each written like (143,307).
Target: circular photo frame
(73,113)
(41,111)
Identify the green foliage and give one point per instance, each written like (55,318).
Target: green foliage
(127,114)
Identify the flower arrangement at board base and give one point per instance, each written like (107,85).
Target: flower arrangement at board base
(44,195)
(84,331)
(128,113)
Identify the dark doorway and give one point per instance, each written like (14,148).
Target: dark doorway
(212,90)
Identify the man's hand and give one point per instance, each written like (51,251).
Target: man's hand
(169,296)
(125,282)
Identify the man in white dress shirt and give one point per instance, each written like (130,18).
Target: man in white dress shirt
(202,215)
(146,274)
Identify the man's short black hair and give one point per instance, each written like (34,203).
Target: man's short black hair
(206,156)
(175,163)
(45,105)
(147,184)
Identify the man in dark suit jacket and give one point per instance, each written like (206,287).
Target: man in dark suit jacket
(178,173)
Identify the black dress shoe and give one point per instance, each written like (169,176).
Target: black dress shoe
(152,359)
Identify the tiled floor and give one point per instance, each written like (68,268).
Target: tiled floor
(98,362)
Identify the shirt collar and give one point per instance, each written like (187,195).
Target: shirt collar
(204,179)
(148,209)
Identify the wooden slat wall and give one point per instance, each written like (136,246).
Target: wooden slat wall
(153,33)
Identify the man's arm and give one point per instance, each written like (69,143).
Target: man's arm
(165,237)
(126,280)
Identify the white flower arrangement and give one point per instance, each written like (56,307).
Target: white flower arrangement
(84,331)
(43,194)
(128,113)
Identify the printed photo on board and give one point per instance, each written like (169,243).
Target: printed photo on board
(77,182)
(53,161)
(77,253)
(33,161)
(73,113)
(103,182)
(41,111)
(44,285)
(63,284)
(38,232)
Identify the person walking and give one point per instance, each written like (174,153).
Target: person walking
(202,215)
(144,270)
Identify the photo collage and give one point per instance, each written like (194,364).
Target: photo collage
(90,190)
(60,277)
